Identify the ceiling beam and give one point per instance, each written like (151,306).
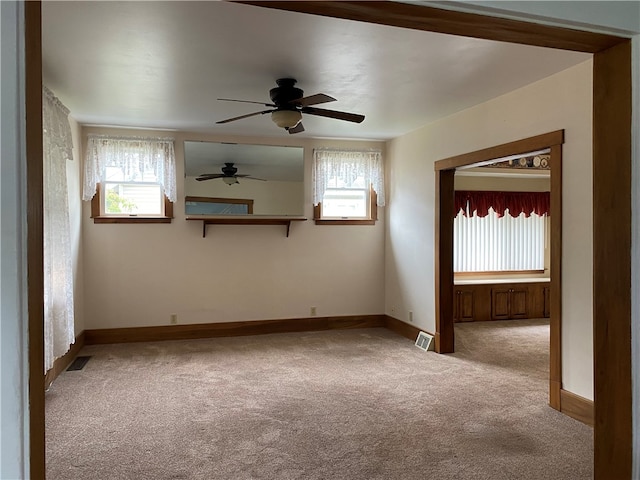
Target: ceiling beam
(430,19)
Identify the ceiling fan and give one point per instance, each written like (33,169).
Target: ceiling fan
(289,104)
(229,175)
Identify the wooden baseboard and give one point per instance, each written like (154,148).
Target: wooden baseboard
(577,407)
(402,328)
(229,329)
(60,364)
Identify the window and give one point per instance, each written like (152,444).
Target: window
(130,180)
(345,203)
(348,186)
(500,231)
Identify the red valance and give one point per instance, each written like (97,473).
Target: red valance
(517,202)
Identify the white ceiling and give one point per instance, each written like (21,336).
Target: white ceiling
(164,65)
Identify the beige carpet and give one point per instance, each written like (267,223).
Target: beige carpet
(351,404)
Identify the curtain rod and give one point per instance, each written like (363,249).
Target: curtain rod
(135,139)
(354,150)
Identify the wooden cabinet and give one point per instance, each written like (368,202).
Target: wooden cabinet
(471,303)
(500,301)
(510,302)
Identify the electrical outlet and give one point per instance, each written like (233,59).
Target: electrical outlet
(173,319)
(313,311)
(411,316)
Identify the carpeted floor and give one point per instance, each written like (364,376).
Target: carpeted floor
(350,404)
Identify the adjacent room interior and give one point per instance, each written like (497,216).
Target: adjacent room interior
(295,266)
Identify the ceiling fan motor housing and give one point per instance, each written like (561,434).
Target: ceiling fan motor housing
(285,92)
(229,170)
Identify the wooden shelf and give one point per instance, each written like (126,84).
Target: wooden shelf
(245,220)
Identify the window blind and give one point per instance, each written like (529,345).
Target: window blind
(493,243)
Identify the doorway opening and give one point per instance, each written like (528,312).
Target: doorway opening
(445,212)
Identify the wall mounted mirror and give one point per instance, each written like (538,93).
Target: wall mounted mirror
(239,179)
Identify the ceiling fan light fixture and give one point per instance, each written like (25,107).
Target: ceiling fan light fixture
(230,180)
(286,118)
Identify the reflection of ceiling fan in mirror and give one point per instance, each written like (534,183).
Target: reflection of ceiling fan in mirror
(229,175)
(289,104)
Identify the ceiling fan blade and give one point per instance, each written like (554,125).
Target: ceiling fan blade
(246,101)
(312,100)
(297,129)
(349,117)
(244,116)
(250,177)
(208,176)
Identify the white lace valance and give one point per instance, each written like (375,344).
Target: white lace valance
(138,159)
(347,169)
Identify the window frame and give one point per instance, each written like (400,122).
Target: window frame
(371,220)
(99,217)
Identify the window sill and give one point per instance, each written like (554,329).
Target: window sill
(498,273)
(132,219)
(320,221)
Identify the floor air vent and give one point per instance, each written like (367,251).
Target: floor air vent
(424,341)
(78,363)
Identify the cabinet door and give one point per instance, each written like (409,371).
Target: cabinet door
(518,305)
(465,306)
(547,302)
(500,303)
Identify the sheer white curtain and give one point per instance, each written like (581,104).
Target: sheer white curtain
(347,167)
(58,273)
(492,243)
(138,157)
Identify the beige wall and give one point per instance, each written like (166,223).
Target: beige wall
(139,275)
(562,101)
(501,184)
